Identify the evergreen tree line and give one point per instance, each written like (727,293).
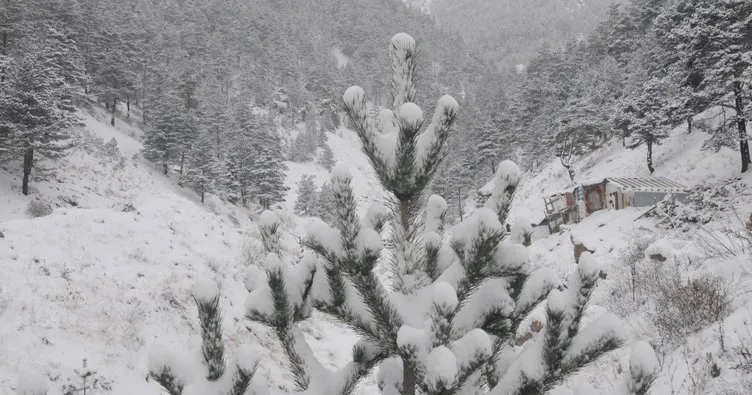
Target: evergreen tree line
(651,66)
(315,202)
(41,79)
(186,66)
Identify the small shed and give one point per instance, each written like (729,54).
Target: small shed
(561,208)
(641,192)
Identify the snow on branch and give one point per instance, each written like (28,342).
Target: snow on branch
(205,370)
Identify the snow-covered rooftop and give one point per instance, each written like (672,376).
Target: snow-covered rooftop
(648,184)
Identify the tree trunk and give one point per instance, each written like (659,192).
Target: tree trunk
(165,168)
(182,161)
(27,164)
(459,202)
(202,196)
(689,125)
(128,105)
(409,379)
(114,109)
(650,156)
(4,53)
(741,124)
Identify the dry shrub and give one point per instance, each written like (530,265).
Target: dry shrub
(38,208)
(627,291)
(684,307)
(676,305)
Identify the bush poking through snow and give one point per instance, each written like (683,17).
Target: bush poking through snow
(678,306)
(703,203)
(742,357)
(688,306)
(643,369)
(449,320)
(183,374)
(628,285)
(38,208)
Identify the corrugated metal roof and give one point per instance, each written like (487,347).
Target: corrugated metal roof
(652,184)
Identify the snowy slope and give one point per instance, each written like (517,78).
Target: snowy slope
(685,368)
(108,273)
(678,158)
(110,276)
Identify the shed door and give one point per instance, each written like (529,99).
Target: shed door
(594,198)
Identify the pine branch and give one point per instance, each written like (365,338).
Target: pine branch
(388,320)
(586,285)
(477,259)
(446,113)
(555,336)
(212,344)
(303,311)
(402,54)
(167,380)
(605,345)
(242,380)
(282,322)
(355,108)
(431,261)
(402,178)
(643,369)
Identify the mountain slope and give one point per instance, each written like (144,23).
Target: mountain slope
(108,273)
(511,31)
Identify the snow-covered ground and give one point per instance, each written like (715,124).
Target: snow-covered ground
(686,368)
(108,273)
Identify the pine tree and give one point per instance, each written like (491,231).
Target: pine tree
(325,205)
(715,39)
(268,169)
(243,152)
(645,116)
(36,109)
(327,159)
(307,194)
(488,147)
(203,171)
(169,369)
(162,133)
(447,321)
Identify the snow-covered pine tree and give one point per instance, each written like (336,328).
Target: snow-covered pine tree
(488,147)
(242,152)
(325,206)
(162,133)
(36,109)
(326,158)
(303,148)
(447,322)
(644,113)
(307,194)
(715,42)
(203,170)
(268,168)
(204,371)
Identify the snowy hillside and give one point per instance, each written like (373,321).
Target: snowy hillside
(717,252)
(679,158)
(108,273)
